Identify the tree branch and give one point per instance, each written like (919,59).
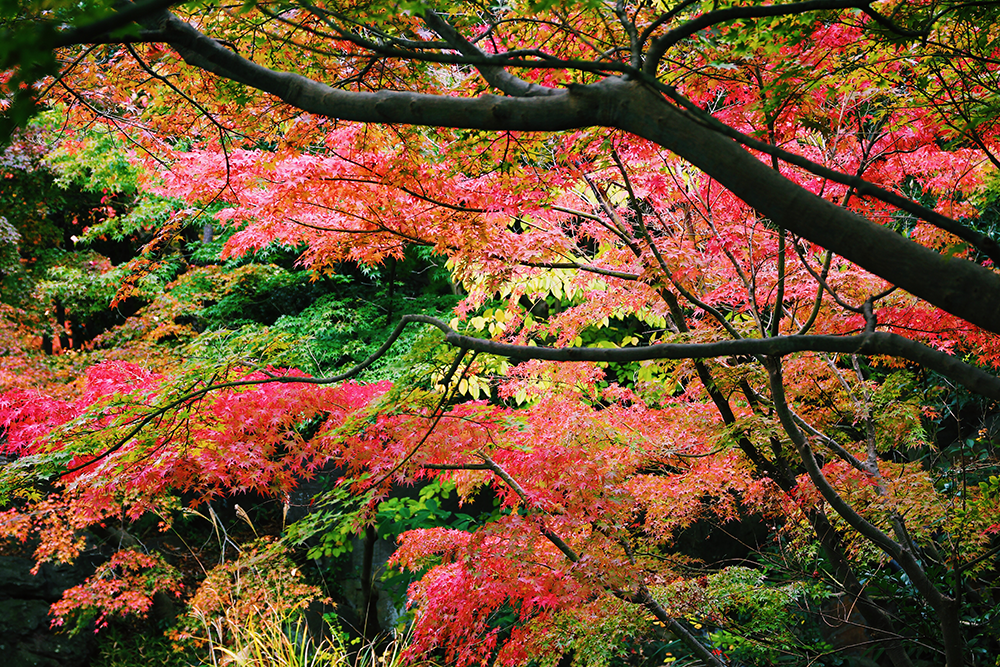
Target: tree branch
(643,597)
(100,29)
(557,111)
(939,279)
(861,187)
(943,605)
(869,343)
(496,76)
(658,47)
(956,285)
(583,267)
(199,393)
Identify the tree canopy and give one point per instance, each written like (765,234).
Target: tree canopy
(721,263)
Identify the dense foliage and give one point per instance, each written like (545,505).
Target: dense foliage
(702,304)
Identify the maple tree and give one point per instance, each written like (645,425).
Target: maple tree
(736,250)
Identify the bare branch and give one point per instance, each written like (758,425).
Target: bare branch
(869,343)
(583,267)
(658,47)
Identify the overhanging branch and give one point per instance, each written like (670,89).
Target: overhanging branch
(955,285)
(985,244)
(870,343)
(99,30)
(658,47)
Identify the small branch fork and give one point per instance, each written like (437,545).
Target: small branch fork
(436,415)
(658,47)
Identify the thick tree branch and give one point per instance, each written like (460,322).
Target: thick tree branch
(100,29)
(895,28)
(557,111)
(941,280)
(547,532)
(139,37)
(985,244)
(649,602)
(879,622)
(871,343)
(658,47)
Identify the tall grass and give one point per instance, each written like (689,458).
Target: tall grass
(269,639)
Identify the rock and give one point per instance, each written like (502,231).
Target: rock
(26,638)
(46,649)
(16,579)
(22,617)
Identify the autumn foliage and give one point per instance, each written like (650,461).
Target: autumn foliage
(640,356)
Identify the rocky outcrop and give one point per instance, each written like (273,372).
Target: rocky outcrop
(26,639)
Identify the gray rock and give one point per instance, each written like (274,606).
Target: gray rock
(22,617)
(16,579)
(26,638)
